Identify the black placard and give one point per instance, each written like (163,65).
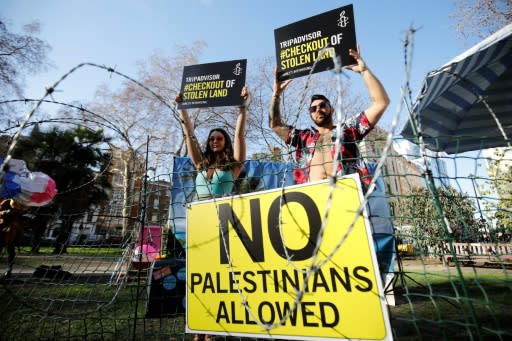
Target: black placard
(299,45)
(166,288)
(213,84)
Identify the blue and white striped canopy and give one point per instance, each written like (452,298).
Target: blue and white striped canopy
(467,104)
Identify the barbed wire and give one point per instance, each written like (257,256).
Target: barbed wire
(315,265)
(103,121)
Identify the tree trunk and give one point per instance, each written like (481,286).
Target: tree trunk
(62,240)
(39,225)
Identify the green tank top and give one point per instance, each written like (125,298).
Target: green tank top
(220,185)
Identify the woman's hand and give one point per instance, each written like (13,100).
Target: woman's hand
(178,98)
(245,96)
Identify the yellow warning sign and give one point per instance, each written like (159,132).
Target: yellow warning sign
(296,262)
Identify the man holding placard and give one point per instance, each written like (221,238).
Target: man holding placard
(308,46)
(315,147)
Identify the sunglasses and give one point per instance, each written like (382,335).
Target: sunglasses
(313,108)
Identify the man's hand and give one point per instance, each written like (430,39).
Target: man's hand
(279,86)
(361,65)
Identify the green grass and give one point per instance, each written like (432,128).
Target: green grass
(441,306)
(78,250)
(46,256)
(86,312)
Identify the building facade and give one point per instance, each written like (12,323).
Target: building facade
(136,199)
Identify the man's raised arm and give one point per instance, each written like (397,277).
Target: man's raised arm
(275,120)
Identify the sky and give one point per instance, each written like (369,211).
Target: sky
(119,33)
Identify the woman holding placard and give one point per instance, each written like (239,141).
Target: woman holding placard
(220,163)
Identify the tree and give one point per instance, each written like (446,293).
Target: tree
(499,188)
(480,18)
(75,159)
(144,117)
(146,114)
(426,219)
(20,54)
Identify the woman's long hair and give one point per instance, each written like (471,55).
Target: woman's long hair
(226,158)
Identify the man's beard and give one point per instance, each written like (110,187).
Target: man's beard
(324,122)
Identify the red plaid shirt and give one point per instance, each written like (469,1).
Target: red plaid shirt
(349,158)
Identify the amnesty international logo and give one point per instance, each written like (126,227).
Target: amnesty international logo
(237,70)
(274,264)
(343,20)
